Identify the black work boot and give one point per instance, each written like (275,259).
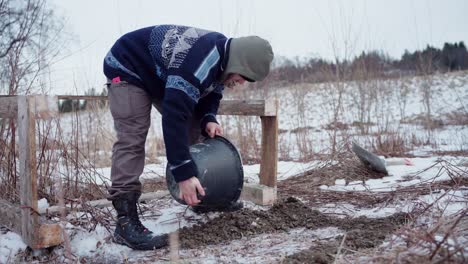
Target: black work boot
(129,230)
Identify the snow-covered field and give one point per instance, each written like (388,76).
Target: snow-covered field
(384,107)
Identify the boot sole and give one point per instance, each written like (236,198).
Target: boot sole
(120,240)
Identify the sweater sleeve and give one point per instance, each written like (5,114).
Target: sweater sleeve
(186,88)
(208,107)
(178,105)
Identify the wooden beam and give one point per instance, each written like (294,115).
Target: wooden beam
(8,107)
(48,235)
(102,203)
(258,194)
(269,162)
(81,97)
(248,107)
(44,106)
(267,107)
(27,169)
(34,234)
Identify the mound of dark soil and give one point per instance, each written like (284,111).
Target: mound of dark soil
(290,213)
(281,217)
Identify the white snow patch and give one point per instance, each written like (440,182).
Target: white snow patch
(10,244)
(265,248)
(42,204)
(424,170)
(173,218)
(85,243)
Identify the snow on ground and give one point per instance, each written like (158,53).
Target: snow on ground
(447,202)
(171,216)
(423,170)
(265,248)
(10,244)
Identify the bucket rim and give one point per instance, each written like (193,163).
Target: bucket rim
(230,144)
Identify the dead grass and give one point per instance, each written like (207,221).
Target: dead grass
(457,118)
(391,145)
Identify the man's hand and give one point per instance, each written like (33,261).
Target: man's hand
(213,129)
(188,191)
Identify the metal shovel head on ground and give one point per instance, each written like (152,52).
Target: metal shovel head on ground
(220,172)
(369,159)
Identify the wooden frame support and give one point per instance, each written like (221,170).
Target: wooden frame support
(102,203)
(259,194)
(27,170)
(269,162)
(34,233)
(25,218)
(265,192)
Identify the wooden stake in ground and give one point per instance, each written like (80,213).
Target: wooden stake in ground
(174,246)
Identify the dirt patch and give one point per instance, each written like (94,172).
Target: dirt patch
(366,232)
(362,233)
(281,217)
(321,253)
(285,215)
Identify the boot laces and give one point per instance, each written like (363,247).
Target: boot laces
(138,225)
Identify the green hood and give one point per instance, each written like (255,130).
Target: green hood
(250,57)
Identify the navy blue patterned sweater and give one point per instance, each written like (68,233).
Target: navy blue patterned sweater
(181,67)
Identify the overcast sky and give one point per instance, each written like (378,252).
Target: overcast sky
(303,28)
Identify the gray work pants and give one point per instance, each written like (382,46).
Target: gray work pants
(130,107)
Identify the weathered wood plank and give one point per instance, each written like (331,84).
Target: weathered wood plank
(248,107)
(103,202)
(49,235)
(10,216)
(227,107)
(27,163)
(8,107)
(269,162)
(44,106)
(81,97)
(258,194)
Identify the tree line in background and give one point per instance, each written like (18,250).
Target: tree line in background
(71,105)
(367,65)
(373,64)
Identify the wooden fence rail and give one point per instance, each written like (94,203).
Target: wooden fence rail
(26,218)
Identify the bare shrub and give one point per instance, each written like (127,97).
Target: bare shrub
(458,118)
(32,38)
(391,145)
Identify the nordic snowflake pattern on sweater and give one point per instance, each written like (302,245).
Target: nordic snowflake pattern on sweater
(180,66)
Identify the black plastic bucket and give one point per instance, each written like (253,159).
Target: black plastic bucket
(220,172)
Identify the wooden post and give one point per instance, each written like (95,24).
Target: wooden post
(269,163)
(27,170)
(34,234)
(265,192)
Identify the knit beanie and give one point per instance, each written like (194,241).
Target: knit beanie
(250,57)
